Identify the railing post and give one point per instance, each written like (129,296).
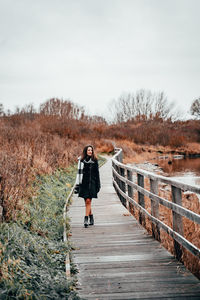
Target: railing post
(117,180)
(177,220)
(154,209)
(113,174)
(130,191)
(120,157)
(122,186)
(140,181)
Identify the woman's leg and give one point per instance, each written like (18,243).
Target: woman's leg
(88,202)
(88,208)
(88,212)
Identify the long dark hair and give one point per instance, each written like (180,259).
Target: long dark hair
(84,153)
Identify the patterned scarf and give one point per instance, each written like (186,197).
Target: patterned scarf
(79,176)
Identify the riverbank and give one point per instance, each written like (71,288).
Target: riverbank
(141,153)
(179,164)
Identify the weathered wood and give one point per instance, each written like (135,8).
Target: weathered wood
(129,206)
(120,156)
(189,246)
(122,186)
(154,208)
(117,259)
(177,208)
(141,202)
(176,205)
(177,220)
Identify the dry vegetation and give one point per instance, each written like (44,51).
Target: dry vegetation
(33,143)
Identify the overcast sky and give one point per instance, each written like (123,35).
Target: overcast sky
(91,51)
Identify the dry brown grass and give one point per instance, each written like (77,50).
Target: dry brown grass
(104,146)
(40,145)
(26,151)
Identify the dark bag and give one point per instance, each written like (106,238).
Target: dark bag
(76,189)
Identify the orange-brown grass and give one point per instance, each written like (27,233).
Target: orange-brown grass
(29,147)
(24,153)
(104,146)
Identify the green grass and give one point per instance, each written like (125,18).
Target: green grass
(32,253)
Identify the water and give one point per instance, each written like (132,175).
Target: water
(185,170)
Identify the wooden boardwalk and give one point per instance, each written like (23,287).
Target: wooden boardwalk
(117,259)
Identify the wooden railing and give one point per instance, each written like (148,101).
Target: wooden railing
(125,187)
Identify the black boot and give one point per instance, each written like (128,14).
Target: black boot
(91,220)
(86,221)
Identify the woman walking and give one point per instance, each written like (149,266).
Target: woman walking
(88,181)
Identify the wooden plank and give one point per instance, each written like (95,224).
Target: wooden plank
(180,239)
(136,295)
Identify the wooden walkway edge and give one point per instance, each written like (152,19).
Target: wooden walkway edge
(117,259)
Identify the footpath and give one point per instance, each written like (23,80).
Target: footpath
(117,259)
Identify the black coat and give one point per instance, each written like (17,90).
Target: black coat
(90,185)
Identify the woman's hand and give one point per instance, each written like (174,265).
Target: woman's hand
(76,189)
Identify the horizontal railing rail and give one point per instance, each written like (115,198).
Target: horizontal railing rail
(125,187)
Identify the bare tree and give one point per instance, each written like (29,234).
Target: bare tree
(141,106)
(29,109)
(62,108)
(1,110)
(195,108)
(95,119)
(162,108)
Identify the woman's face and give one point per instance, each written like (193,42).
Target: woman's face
(89,151)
